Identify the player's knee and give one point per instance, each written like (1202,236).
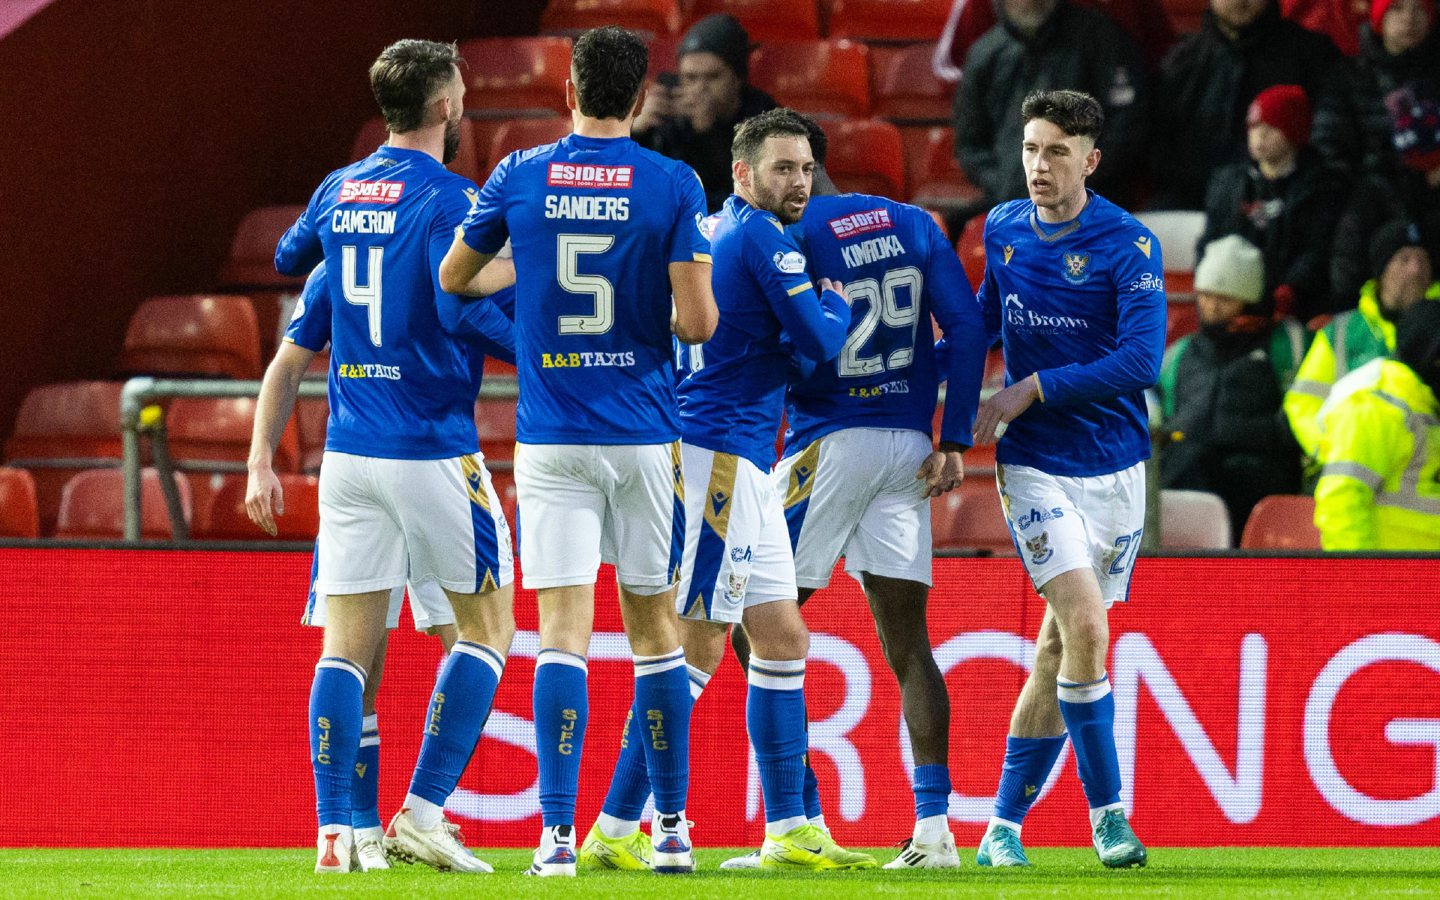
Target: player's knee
(781,635)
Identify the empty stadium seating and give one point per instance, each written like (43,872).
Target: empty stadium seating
(971,517)
(1282,522)
(250,269)
(904,88)
(764,20)
(508,77)
(935,178)
(649,17)
(60,429)
(311,415)
(196,335)
(971,248)
(19,514)
(888,20)
(522,134)
(226,520)
(865,156)
(213,433)
(92,506)
(1193,520)
(823,78)
(469,160)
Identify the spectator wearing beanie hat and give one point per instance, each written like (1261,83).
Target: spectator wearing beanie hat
(1399,50)
(1282,201)
(695,121)
(1221,388)
(1402,275)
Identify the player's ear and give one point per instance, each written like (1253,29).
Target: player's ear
(639,101)
(571,101)
(1092,161)
(740,171)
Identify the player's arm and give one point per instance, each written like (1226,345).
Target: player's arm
(816,321)
(695,313)
(462,269)
(488,325)
(482,324)
(299,250)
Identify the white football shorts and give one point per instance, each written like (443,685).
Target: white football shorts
(1060,523)
(428,606)
(581,504)
(854,493)
(737,549)
(384,522)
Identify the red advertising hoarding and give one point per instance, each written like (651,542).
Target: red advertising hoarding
(157,698)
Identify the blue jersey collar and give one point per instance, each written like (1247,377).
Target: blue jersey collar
(1049,233)
(400,154)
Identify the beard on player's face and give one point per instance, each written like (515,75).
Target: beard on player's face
(452,141)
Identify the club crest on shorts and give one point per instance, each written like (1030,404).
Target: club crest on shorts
(735,587)
(1077,268)
(1039,547)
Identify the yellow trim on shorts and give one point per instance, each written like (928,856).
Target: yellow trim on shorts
(475,481)
(802,475)
(721,492)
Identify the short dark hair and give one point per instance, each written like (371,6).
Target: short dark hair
(1074,112)
(609,64)
(751,134)
(819,142)
(406,75)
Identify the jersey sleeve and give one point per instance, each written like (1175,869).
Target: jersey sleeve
(688,240)
(484,229)
(815,323)
(1134,364)
(299,249)
(310,323)
(958,312)
(480,323)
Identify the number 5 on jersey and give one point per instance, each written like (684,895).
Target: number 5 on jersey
(568,248)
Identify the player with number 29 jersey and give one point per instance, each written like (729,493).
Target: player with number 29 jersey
(593,342)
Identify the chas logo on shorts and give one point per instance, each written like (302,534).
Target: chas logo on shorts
(861,223)
(371,191)
(571,175)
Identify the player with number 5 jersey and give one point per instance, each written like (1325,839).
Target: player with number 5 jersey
(604,232)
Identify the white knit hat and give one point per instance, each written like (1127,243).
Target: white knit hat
(1231,267)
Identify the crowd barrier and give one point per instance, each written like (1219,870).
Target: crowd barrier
(157,698)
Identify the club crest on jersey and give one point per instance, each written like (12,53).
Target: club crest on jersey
(1077,268)
(1009,252)
(791,263)
(577,176)
(1040,549)
(352,191)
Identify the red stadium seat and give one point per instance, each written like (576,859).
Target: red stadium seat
(935,178)
(226,519)
(765,20)
(1193,520)
(1282,522)
(19,514)
(971,517)
(213,434)
(865,156)
(522,134)
(252,250)
(972,250)
(311,416)
(899,21)
(904,88)
(823,78)
(196,335)
(649,17)
(1182,317)
(495,424)
(511,76)
(92,506)
(61,428)
(469,161)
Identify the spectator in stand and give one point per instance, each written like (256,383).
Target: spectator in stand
(1408,187)
(1206,80)
(1144,20)
(1339,20)
(1221,388)
(1282,201)
(1044,45)
(1399,52)
(1380,447)
(695,120)
(1403,276)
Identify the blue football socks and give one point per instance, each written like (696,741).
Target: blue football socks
(365,789)
(336,711)
(1089,711)
(775,717)
(562,709)
(1028,762)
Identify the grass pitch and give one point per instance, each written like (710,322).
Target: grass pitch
(1070,873)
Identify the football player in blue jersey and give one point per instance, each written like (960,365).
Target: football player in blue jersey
(604,232)
(403,491)
(1074,285)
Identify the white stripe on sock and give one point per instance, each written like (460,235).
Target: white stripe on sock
(1083,693)
(343,665)
(777,675)
(654,665)
(486,654)
(698,679)
(554,657)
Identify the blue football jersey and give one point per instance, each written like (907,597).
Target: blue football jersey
(399,383)
(899,270)
(733,398)
(1081,303)
(594,224)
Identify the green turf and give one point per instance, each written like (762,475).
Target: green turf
(1225,872)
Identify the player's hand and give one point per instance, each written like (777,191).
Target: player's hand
(264,499)
(1005,407)
(827,285)
(942,472)
(658,106)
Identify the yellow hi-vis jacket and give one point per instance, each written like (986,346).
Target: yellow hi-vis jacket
(1379,484)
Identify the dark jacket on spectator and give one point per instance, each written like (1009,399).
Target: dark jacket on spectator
(1291,220)
(1221,398)
(707,152)
(1206,84)
(1402,193)
(1379,73)
(1077,49)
